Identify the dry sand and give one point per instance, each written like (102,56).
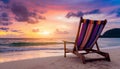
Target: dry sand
(55,60)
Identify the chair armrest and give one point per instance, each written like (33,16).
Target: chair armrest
(69,42)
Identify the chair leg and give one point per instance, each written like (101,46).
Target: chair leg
(64,53)
(83,59)
(106,55)
(64,49)
(81,56)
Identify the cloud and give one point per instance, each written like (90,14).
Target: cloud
(42,12)
(5,23)
(22,14)
(5,1)
(17,31)
(4,16)
(96,11)
(33,14)
(71,14)
(20,11)
(5,19)
(4,29)
(116,11)
(42,17)
(80,13)
(35,30)
(34,17)
(61,32)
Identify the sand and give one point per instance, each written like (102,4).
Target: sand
(55,60)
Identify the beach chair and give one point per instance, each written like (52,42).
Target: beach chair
(87,36)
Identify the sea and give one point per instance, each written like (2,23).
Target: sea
(34,44)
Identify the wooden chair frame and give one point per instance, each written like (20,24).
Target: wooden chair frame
(91,50)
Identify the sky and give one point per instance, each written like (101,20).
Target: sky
(53,18)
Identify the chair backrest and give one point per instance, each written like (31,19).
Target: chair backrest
(88,33)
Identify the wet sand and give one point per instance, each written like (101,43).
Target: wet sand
(53,59)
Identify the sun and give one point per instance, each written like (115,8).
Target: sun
(45,33)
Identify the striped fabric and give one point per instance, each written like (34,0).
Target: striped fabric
(90,31)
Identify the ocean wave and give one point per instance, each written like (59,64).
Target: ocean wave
(28,46)
(16,49)
(30,43)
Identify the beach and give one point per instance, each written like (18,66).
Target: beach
(53,59)
(34,34)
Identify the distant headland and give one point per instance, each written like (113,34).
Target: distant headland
(112,33)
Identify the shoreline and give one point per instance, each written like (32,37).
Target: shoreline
(23,55)
(54,59)
(8,56)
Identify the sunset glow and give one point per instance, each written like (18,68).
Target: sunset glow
(57,18)
(45,33)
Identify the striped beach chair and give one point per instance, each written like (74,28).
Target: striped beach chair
(87,36)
